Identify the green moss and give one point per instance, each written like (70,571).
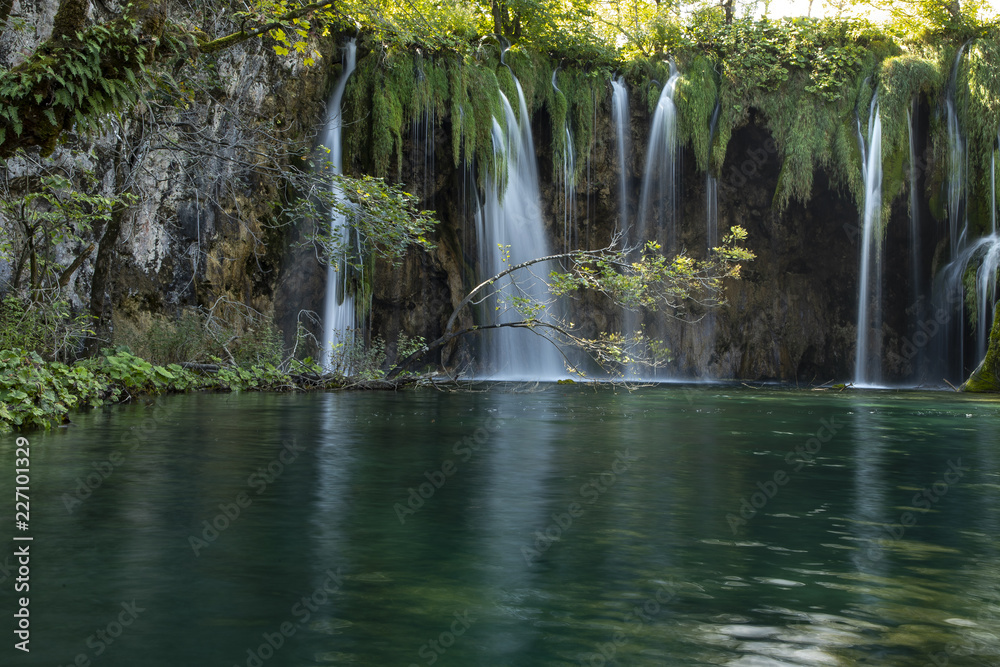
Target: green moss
(978,94)
(356,108)
(695,97)
(986,378)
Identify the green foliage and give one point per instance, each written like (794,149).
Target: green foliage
(41,215)
(351,357)
(653,281)
(99,70)
(986,378)
(39,394)
(696,95)
(22,325)
(36,394)
(45,326)
(384,219)
(979,113)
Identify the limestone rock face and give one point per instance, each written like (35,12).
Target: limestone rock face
(206,226)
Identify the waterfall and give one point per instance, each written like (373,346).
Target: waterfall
(867,362)
(948,285)
(568,183)
(512,220)
(422,146)
(993,185)
(957,166)
(914,207)
(712,187)
(986,277)
(338,310)
(658,198)
(620,118)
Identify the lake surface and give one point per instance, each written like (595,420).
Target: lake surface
(565,525)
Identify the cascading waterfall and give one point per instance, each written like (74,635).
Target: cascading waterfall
(948,284)
(914,207)
(656,219)
(512,221)
(957,166)
(658,198)
(986,275)
(620,118)
(867,362)
(422,146)
(712,189)
(568,183)
(338,311)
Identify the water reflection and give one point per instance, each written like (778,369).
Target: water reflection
(428,538)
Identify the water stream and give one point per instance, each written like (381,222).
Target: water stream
(338,308)
(510,230)
(867,364)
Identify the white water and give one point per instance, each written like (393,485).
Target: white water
(422,146)
(620,118)
(712,189)
(658,198)
(914,208)
(957,168)
(338,312)
(514,218)
(867,362)
(568,184)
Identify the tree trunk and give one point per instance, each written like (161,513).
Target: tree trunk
(100,282)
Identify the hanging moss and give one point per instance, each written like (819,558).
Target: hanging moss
(979,112)
(695,97)
(509,89)
(534,74)
(586,87)
(558,108)
(356,109)
(804,127)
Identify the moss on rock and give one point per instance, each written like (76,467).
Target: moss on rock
(986,378)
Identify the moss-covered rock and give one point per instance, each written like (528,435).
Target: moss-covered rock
(986,378)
